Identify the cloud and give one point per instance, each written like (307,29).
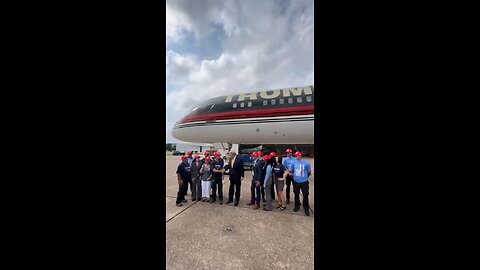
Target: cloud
(266,45)
(188,15)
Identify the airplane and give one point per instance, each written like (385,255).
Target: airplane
(280,116)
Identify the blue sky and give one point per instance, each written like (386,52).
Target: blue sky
(224,47)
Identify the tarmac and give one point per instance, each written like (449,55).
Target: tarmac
(203,235)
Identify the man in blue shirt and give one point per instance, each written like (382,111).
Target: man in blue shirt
(183,174)
(190,159)
(217,177)
(287,163)
(301,171)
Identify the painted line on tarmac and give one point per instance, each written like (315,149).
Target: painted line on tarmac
(182,211)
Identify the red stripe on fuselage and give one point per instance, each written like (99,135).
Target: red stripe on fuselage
(248,114)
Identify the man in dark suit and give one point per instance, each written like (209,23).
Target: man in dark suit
(256,181)
(236,177)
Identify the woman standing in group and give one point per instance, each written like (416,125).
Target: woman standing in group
(206,172)
(196,182)
(280,173)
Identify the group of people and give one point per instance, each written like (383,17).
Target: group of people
(269,172)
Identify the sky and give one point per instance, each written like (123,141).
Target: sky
(226,47)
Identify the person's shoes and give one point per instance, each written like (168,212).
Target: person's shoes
(229,201)
(211,200)
(199,199)
(194,199)
(307,213)
(256,206)
(221,202)
(184,200)
(250,203)
(295,209)
(203,199)
(283,208)
(179,204)
(288,201)
(279,206)
(235,204)
(265,209)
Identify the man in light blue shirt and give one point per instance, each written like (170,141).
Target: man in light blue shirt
(301,171)
(190,157)
(287,162)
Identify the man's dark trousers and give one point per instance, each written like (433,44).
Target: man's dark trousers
(296,190)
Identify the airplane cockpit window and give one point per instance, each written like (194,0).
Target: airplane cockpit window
(290,100)
(242,104)
(265,102)
(299,99)
(309,98)
(194,109)
(273,102)
(234,105)
(212,106)
(249,104)
(281,101)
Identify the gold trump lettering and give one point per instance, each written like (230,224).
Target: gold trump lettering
(275,94)
(297,92)
(251,96)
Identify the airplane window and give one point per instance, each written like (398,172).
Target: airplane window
(194,109)
(299,99)
(273,101)
(242,104)
(309,98)
(212,106)
(249,104)
(290,100)
(281,101)
(265,102)
(234,105)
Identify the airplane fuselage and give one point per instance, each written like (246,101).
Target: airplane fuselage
(275,116)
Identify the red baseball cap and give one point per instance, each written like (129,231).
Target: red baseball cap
(260,153)
(217,154)
(253,154)
(273,154)
(189,152)
(298,153)
(197,156)
(207,158)
(184,157)
(266,157)
(206,153)
(288,151)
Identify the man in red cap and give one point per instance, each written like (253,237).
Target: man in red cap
(196,181)
(255,185)
(272,191)
(190,160)
(217,177)
(183,175)
(287,162)
(267,182)
(301,171)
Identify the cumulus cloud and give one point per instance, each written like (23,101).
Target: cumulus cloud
(267,45)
